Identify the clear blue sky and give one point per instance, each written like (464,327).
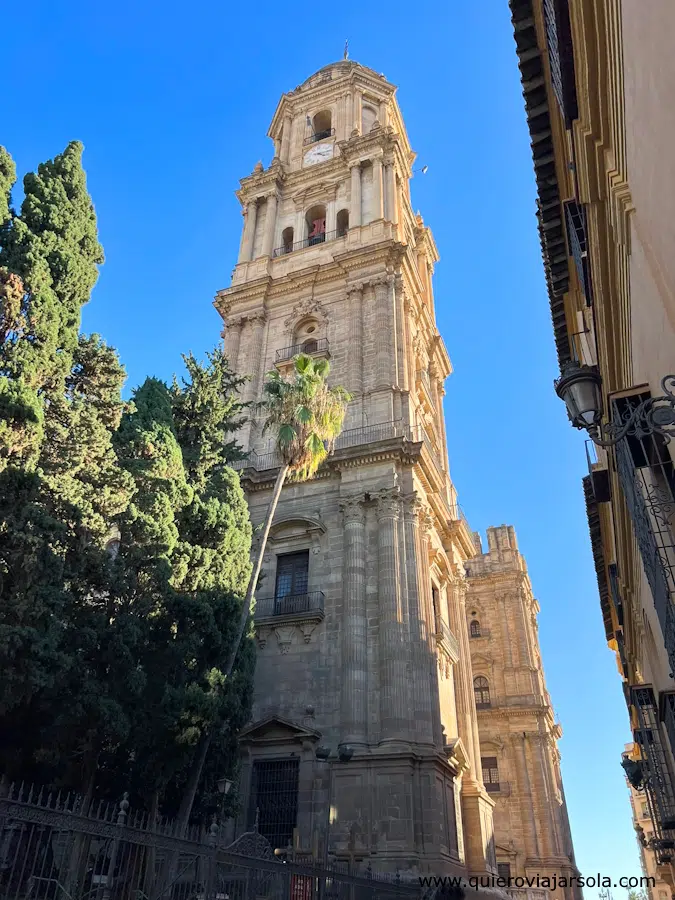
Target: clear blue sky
(173,101)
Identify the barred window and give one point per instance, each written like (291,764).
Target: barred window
(474,628)
(504,870)
(274,799)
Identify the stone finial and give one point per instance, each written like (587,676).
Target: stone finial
(258,168)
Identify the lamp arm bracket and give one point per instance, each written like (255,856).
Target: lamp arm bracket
(655,415)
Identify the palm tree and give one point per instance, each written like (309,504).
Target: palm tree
(307,416)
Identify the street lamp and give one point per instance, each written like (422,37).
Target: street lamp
(224,785)
(580,387)
(324,754)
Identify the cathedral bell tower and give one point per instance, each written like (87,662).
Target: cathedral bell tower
(360,615)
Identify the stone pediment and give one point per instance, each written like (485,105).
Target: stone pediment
(277,730)
(294,526)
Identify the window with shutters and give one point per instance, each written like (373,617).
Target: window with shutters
(504,870)
(490,773)
(577,239)
(274,800)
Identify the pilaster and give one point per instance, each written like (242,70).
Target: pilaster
(394,693)
(354,675)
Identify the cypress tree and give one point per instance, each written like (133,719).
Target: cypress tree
(187,562)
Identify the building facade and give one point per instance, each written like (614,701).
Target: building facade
(656,889)
(365,736)
(517,728)
(597,75)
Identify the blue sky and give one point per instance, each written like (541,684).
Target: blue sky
(173,102)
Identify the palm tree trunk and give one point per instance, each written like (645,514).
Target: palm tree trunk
(204,742)
(255,574)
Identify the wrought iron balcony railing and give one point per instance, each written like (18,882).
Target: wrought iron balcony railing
(615,593)
(319,346)
(293,604)
(309,242)
(443,633)
(645,472)
(657,774)
(319,136)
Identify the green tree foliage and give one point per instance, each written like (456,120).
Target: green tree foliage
(124,536)
(186,551)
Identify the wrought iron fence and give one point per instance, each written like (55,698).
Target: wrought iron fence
(266,607)
(54,848)
(309,242)
(319,136)
(658,780)
(309,346)
(645,473)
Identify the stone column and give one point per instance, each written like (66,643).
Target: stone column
(389,191)
(246,249)
(357,114)
(552,845)
(231,341)
(299,228)
(355,210)
(394,702)
(355,341)
(331,217)
(416,541)
(277,147)
(349,116)
(354,675)
(377,189)
(255,360)
(384,113)
(401,333)
(527,812)
(466,708)
(383,319)
(286,139)
(270,224)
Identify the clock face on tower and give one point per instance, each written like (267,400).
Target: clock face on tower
(318,153)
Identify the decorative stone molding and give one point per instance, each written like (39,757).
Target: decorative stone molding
(284,635)
(388,503)
(307,307)
(352,509)
(262,635)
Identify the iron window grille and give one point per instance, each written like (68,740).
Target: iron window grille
(658,779)
(309,242)
(319,136)
(481,692)
(668,716)
(561,57)
(504,870)
(474,629)
(274,800)
(309,346)
(490,774)
(645,472)
(292,604)
(577,237)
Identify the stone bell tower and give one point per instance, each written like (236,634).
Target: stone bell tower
(360,616)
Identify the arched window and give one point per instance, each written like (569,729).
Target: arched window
(342,222)
(481,692)
(316,225)
(287,239)
(368,116)
(474,628)
(310,346)
(321,125)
